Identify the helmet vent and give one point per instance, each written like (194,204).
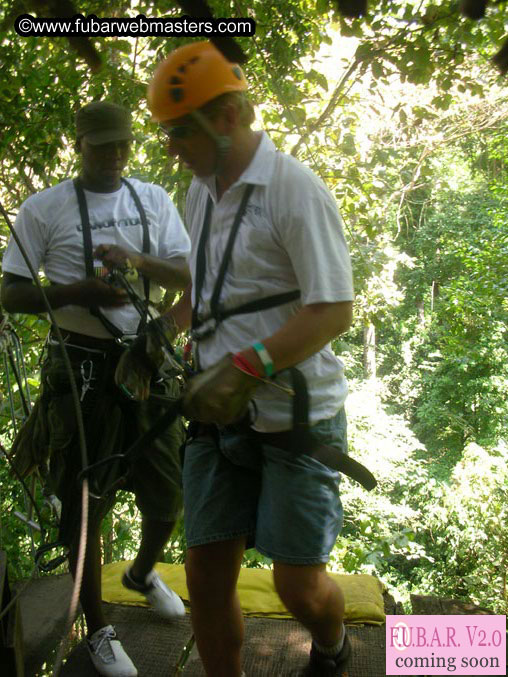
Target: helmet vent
(176,94)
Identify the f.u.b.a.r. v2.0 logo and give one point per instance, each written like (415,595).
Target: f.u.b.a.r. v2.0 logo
(438,645)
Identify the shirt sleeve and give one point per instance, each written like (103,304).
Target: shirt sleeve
(174,241)
(31,232)
(310,229)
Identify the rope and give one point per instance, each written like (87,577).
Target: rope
(13,356)
(27,491)
(78,577)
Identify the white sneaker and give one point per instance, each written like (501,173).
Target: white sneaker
(163,600)
(108,655)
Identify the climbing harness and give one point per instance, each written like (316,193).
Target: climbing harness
(299,439)
(172,366)
(88,251)
(203,327)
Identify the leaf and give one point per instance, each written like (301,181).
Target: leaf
(377,69)
(120,46)
(319,78)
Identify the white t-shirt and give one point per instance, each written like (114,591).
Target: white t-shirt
(49,226)
(291,237)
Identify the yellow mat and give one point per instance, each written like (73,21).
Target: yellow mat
(363,593)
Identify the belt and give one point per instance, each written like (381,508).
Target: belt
(323,453)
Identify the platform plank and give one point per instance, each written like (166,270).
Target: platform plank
(44,605)
(273,648)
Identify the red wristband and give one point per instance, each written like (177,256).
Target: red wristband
(244,365)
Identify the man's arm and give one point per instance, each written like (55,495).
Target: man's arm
(304,334)
(173,274)
(20,295)
(221,393)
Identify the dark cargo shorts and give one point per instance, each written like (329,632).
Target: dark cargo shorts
(112,424)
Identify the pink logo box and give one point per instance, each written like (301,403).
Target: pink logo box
(446,645)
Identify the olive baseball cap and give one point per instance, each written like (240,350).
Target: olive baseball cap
(103,122)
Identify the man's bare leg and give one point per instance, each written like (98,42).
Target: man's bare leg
(313,598)
(212,574)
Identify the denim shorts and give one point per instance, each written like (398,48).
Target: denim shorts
(286,504)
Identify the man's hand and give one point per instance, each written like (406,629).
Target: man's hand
(172,273)
(96,292)
(220,394)
(19,295)
(134,373)
(114,256)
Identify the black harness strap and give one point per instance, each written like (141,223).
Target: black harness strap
(145,246)
(214,302)
(201,260)
(300,433)
(218,314)
(88,250)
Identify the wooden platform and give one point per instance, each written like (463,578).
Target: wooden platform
(272,648)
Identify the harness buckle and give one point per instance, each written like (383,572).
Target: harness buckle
(206,329)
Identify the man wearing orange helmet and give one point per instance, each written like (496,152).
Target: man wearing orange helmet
(271,286)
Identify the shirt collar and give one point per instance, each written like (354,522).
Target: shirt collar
(258,172)
(260,169)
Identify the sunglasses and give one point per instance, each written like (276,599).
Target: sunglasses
(178,131)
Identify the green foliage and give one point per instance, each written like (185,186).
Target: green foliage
(418,531)
(458,374)
(465,531)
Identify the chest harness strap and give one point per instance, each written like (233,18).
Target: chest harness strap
(204,327)
(88,251)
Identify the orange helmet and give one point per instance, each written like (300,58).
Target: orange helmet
(188,78)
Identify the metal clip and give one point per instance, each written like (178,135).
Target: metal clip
(86,377)
(205,329)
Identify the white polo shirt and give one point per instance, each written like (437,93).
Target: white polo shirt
(49,226)
(291,237)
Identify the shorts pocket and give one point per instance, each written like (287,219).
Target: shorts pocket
(62,424)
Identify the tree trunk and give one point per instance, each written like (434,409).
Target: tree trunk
(435,293)
(420,307)
(369,350)
(107,546)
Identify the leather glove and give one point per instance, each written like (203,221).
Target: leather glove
(143,359)
(220,394)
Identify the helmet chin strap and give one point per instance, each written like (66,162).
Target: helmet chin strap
(222,142)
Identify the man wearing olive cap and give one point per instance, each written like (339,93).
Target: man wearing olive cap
(75,231)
